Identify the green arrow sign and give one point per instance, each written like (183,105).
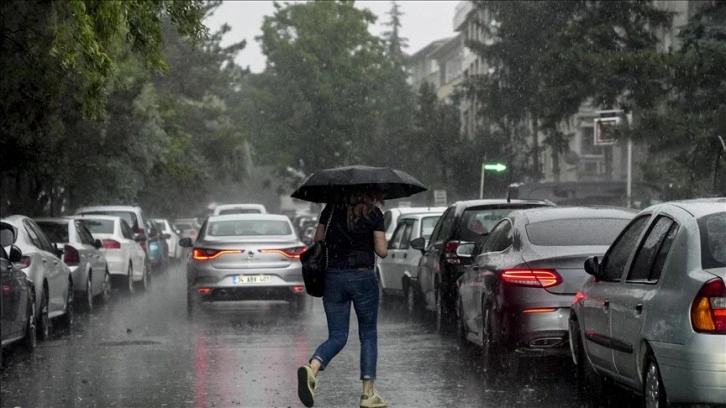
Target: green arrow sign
(498,167)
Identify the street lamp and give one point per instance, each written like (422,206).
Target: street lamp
(496,167)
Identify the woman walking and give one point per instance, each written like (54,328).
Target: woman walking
(354,236)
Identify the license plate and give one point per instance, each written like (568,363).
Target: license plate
(251,279)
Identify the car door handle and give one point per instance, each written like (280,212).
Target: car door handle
(606,305)
(44,261)
(639,308)
(404,256)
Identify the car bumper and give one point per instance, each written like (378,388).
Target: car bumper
(283,284)
(538,332)
(694,373)
(116,264)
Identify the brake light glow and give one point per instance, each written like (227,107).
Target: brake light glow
(204,291)
(293,252)
(540,310)
(578,297)
(205,254)
(298,289)
(71,256)
(708,310)
(24,262)
(450,251)
(534,278)
(111,244)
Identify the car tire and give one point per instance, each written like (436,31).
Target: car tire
(66,320)
(589,382)
(106,293)
(438,309)
(653,390)
(88,295)
(461,330)
(130,280)
(496,359)
(31,334)
(44,325)
(412,306)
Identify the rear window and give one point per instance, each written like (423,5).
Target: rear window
(575,231)
(160,225)
(98,226)
(477,221)
(712,229)
(127,216)
(240,211)
(54,231)
(427,226)
(183,226)
(234,228)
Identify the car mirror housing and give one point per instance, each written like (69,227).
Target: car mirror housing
(140,238)
(418,243)
(98,244)
(166,236)
(185,243)
(592,267)
(465,250)
(58,251)
(15,255)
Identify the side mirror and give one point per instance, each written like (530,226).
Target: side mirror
(185,243)
(592,267)
(15,255)
(418,243)
(140,238)
(58,251)
(465,250)
(166,236)
(98,244)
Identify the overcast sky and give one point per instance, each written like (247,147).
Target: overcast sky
(422,23)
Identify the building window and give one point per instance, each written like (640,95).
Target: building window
(587,142)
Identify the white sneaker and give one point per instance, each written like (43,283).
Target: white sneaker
(306,384)
(374,401)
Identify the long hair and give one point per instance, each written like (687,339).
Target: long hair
(361,203)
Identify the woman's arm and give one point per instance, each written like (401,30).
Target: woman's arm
(379,243)
(319,233)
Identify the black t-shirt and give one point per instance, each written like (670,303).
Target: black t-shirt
(351,248)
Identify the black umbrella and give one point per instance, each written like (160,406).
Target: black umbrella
(325,185)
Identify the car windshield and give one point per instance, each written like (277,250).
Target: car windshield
(160,225)
(56,232)
(235,228)
(575,231)
(477,221)
(427,226)
(183,226)
(713,240)
(98,226)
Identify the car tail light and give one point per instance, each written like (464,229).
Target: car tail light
(111,244)
(293,252)
(535,278)
(450,251)
(71,256)
(205,254)
(24,262)
(298,289)
(204,291)
(708,311)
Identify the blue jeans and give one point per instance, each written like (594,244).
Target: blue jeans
(343,286)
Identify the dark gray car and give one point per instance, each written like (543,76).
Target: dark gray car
(515,298)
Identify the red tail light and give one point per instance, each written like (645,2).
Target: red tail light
(534,278)
(205,254)
(298,289)
(24,262)
(450,251)
(293,252)
(71,256)
(111,244)
(204,291)
(708,310)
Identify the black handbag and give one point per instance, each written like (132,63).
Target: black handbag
(315,264)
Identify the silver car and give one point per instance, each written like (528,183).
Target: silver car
(82,253)
(245,257)
(653,315)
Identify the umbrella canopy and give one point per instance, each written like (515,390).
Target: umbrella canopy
(325,185)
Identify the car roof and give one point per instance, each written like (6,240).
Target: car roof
(131,208)
(498,201)
(420,215)
(226,217)
(565,212)
(698,207)
(411,210)
(95,217)
(226,206)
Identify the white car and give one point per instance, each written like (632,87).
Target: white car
(390,216)
(175,251)
(52,278)
(127,261)
(82,253)
(399,268)
(227,209)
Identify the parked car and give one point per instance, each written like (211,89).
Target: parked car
(126,259)
(175,251)
(186,228)
(82,253)
(245,257)
(132,214)
(390,216)
(439,268)
(52,279)
(514,299)
(653,315)
(157,247)
(227,209)
(17,299)
(399,268)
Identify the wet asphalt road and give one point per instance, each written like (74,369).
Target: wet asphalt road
(141,351)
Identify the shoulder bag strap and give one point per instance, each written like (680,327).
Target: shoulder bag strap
(327,225)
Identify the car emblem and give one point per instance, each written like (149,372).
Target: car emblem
(250,254)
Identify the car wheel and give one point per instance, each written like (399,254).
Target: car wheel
(106,294)
(43,322)
(130,280)
(490,349)
(440,321)
(66,320)
(589,381)
(31,337)
(653,390)
(145,278)
(411,306)
(88,294)
(461,330)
